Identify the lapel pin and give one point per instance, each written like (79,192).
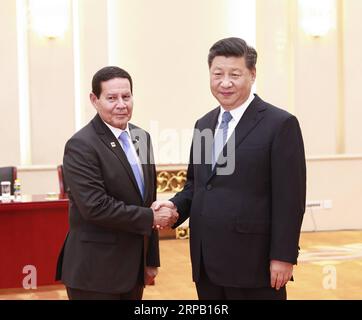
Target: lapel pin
(113,144)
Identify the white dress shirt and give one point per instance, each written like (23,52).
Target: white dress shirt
(236,113)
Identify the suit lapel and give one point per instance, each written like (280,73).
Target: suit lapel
(113,144)
(209,124)
(252,116)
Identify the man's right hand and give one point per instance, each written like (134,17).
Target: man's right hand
(164,214)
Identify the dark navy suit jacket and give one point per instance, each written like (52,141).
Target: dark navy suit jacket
(239,222)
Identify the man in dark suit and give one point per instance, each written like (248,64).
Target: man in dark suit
(111,250)
(246,198)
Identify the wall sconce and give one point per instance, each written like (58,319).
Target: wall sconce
(317,17)
(49,18)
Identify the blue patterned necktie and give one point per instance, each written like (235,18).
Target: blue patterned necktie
(133,162)
(218,143)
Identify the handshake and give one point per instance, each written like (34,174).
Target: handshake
(164,214)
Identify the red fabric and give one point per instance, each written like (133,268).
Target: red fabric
(31,233)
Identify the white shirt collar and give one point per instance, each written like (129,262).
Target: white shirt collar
(238,112)
(116,131)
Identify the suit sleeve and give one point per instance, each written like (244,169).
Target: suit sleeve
(82,170)
(153,252)
(288,174)
(183,199)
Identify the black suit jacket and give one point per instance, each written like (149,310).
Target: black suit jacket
(110,237)
(240,222)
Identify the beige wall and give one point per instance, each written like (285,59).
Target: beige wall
(338,179)
(93,45)
(318,80)
(275,80)
(164,46)
(304,74)
(9,106)
(38,179)
(51,78)
(315,78)
(353,75)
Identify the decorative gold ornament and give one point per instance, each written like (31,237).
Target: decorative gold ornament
(171,180)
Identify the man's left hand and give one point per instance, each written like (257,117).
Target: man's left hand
(150,275)
(280,273)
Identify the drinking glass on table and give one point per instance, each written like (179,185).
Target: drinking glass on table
(5,191)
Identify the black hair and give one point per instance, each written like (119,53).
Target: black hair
(233,47)
(108,73)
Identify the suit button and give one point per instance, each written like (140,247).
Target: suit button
(208,187)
